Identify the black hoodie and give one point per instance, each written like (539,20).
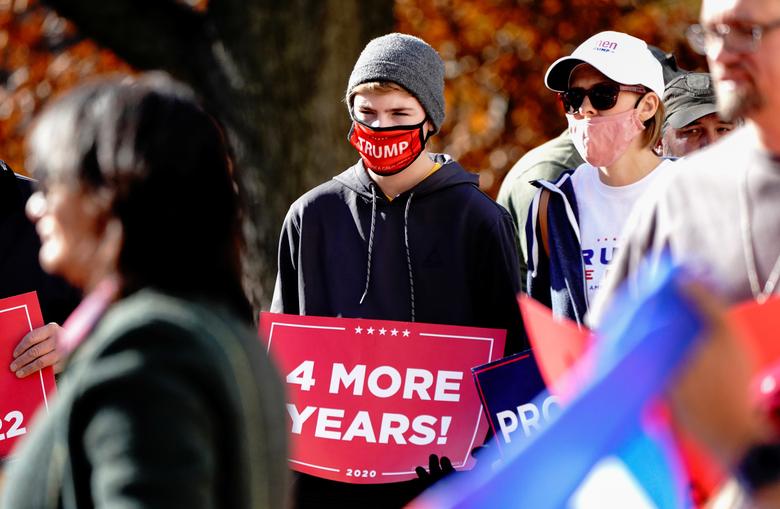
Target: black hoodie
(442,252)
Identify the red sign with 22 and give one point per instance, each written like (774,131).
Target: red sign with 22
(369,400)
(19,397)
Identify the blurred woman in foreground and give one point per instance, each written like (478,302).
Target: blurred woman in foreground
(168,399)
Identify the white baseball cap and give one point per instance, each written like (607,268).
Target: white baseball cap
(620,57)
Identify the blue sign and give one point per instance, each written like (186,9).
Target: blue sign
(508,389)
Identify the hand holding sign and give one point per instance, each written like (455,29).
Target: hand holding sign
(370,400)
(37,350)
(438,469)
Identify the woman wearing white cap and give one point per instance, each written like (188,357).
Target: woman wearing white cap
(611,89)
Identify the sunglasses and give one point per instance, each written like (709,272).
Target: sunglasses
(603,96)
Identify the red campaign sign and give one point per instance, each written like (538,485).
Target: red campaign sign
(756,324)
(557,343)
(19,397)
(369,400)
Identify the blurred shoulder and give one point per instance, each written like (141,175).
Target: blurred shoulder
(715,166)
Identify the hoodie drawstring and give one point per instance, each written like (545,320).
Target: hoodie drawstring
(406,244)
(408,252)
(370,242)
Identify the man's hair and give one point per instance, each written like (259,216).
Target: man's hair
(379,87)
(654,126)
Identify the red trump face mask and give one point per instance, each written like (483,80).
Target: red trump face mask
(388,150)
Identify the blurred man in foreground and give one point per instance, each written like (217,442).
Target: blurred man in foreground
(720,212)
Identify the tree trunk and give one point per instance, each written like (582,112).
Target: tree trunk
(274,72)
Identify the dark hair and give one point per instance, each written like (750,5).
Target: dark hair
(165,166)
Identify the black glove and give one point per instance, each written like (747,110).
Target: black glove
(437,470)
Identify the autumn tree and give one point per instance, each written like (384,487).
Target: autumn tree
(274,72)
(40,55)
(496,53)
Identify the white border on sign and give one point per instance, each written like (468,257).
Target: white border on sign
(449,336)
(314,466)
(40,372)
(301,326)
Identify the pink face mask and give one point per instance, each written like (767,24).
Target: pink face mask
(602,140)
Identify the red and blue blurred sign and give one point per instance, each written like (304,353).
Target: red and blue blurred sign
(604,423)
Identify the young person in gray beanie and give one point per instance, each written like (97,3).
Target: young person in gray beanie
(403,234)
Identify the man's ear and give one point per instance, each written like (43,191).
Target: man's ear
(428,129)
(99,204)
(647,106)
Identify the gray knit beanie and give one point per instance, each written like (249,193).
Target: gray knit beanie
(407,61)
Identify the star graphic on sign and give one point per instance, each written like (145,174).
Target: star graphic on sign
(406,333)
(394,332)
(382,331)
(358,330)
(370,330)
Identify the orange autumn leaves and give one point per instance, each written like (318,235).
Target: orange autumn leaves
(496,53)
(41,55)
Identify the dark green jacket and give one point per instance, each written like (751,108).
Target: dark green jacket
(545,162)
(168,403)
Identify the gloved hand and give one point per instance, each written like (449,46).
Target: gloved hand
(437,470)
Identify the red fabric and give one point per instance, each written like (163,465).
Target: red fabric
(557,344)
(387,151)
(756,325)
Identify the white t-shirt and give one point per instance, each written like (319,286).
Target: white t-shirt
(603,211)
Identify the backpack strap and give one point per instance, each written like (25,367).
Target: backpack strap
(544,199)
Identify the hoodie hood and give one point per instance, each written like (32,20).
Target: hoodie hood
(450,174)
(357,179)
